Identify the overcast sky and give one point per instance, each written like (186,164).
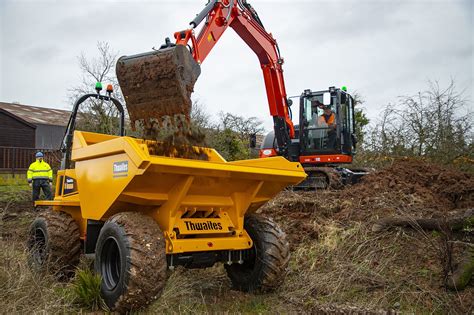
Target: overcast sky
(382,49)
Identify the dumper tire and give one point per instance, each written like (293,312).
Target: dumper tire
(130,256)
(54,244)
(270,254)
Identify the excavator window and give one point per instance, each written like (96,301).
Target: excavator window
(347,119)
(319,125)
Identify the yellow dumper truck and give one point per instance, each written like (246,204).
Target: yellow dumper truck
(140,214)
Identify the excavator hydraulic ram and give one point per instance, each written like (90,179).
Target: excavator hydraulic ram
(158,83)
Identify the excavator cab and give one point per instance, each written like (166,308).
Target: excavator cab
(326,129)
(324,139)
(326,132)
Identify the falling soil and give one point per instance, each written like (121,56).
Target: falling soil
(157,87)
(175,136)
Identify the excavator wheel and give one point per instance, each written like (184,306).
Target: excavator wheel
(54,244)
(268,262)
(158,83)
(131,259)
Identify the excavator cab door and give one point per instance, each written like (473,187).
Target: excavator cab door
(347,118)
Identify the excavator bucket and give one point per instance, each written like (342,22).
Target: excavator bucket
(158,83)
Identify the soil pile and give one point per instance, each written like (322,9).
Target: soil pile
(406,188)
(411,187)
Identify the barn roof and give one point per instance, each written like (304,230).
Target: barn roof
(38,115)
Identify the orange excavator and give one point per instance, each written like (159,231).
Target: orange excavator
(163,80)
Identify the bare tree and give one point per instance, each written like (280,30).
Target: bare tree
(243,126)
(96,115)
(230,136)
(199,116)
(434,123)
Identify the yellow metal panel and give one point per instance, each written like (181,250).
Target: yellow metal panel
(208,244)
(114,146)
(99,185)
(166,214)
(292,174)
(207,201)
(58,202)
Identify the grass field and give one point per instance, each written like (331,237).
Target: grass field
(337,263)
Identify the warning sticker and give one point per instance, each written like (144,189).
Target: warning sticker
(121,169)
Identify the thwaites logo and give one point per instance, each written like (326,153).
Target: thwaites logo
(203,226)
(120,168)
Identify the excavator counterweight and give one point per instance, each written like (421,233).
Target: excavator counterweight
(158,83)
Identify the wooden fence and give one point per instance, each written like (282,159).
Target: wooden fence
(14,160)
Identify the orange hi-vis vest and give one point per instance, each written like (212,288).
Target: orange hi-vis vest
(330,120)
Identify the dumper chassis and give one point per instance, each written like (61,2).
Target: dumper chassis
(140,214)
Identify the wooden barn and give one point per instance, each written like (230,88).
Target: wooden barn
(25,129)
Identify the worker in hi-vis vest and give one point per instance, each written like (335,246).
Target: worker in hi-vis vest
(40,177)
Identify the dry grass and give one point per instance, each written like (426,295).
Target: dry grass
(350,265)
(343,266)
(22,291)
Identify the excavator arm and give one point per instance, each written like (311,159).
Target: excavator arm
(239,15)
(159,83)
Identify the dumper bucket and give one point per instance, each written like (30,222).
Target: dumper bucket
(158,83)
(178,193)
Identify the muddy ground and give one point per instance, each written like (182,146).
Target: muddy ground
(338,262)
(405,188)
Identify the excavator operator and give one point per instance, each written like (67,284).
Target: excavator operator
(328,118)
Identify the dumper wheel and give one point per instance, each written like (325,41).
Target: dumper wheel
(54,244)
(131,259)
(266,267)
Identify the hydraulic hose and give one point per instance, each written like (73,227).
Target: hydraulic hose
(204,13)
(230,6)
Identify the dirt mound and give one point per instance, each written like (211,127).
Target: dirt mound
(414,187)
(406,188)
(340,258)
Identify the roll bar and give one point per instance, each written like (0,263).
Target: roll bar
(71,125)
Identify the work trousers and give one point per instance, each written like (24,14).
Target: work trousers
(332,139)
(41,184)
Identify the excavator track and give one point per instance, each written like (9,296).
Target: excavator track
(158,83)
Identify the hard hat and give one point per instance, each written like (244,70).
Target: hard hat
(39,154)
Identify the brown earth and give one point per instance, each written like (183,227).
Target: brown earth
(332,232)
(158,83)
(408,187)
(157,87)
(176,136)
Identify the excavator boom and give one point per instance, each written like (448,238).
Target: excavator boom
(162,81)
